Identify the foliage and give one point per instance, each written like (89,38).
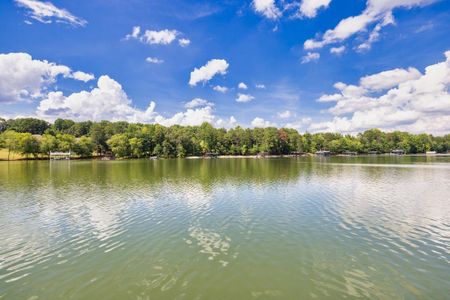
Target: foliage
(27,125)
(48,143)
(84,147)
(143,140)
(3,125)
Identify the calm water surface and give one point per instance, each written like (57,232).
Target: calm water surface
(226,229)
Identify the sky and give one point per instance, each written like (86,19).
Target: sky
(312,65)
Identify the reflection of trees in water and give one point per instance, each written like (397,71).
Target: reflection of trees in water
(136,173)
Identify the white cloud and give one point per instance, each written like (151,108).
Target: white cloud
(24,78)
(220,89)
(184,42)
(410,101)
(46,12)
(377,11)
(261,123)
(194,117)
(309,57)
(375,34)
(208,71)
(198,102)
(226,123)
(242,86)
(285,114)
(107,101)
(309,8)
(337,50)
(267,8)
(244,97)
(388,79)
(154,60)
(300,124)
(154,37)
(162,37)
(78,75)
(260,86)
(134,33)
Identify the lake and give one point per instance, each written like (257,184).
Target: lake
(279,228)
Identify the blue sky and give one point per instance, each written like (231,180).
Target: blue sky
(261,43)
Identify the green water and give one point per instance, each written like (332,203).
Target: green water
(333,228)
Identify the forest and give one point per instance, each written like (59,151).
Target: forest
(35,138)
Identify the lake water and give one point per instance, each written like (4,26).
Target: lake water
(284,228)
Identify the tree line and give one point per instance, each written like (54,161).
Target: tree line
(34,137)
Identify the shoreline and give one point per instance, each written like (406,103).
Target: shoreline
(239,156)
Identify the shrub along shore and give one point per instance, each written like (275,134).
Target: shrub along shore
(30,138)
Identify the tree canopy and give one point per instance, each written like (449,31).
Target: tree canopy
(32,137)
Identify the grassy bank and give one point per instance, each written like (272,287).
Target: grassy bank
(13,155)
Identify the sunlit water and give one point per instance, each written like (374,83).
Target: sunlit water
(226,229)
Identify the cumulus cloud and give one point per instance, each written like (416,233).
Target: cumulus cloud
(196,102)
(24,78)
(309,57)
(388,79)
(261,123)
(46,12)
(157,37)
(375,34)
(162,37)
(208,71)
(244,98)
(300,124)
(242,86)
(154,60)
(220,89)
(107,101)
(184,42)
(193,117)
(260,86)
(377,12)
(309,8)
(267,8)
(337,50)
(285,114)
(399,99)
(81,76)
(134,33)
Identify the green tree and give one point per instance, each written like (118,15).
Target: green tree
(136,147)
(48,143)
(119,145)
(11,141)
(99,137)
(28,125)
(62,125)
(158,150)
(3,125)
(80,129)
(66,142)
(84,147)
(181,152)
(28,144)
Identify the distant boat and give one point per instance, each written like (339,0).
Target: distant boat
(430,153)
